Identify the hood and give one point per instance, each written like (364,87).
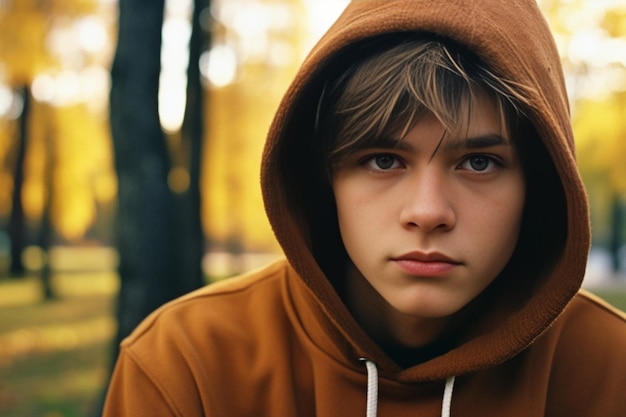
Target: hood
(513,39)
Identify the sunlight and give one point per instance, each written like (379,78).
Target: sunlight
(95,84)
(64,89)
(53,338)
(596,49)
(43,88)
(174,60)
(90,85)
(67,88)
(6,100)
(10,103)
(91,32)
(594,59)
(249,36)
(172,100)
(321,14)
(219,65)
(62,42)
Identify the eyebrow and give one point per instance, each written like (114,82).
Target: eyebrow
(477,142)
(474,142)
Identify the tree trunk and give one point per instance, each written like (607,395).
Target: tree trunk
(46,230)
(144,229)
(616,238)
(17,222)
(192,134)
(153,229)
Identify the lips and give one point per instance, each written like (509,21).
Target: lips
(425,257)
(421,264)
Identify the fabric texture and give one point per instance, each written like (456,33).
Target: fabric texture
(280,341)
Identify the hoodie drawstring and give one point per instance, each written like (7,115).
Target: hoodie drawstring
(447,397)
(372,391)
(372,388)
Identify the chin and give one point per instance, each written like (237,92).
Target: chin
(421,309)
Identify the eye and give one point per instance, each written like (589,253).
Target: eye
(480,163)
(383,162)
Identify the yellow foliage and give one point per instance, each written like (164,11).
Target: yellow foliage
(22,48)
(69,160)
(105,186)
(6,187)
(238,120)
(68,150)
(24,33)
(560,14)
(33,198)
(233,203)
(600,128)
(7,132)
(614,22)
(83,169)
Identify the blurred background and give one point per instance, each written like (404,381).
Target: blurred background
(130,140)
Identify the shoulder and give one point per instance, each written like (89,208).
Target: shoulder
(588,365)
(590,336)
(590,323)
(216,305)
(593,314)
(186,351)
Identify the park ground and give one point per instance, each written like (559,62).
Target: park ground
(55,355)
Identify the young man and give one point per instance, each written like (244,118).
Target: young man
(420,177)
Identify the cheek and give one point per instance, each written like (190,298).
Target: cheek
(494,218)
(355,213)
(349,212)
(509,219)
(344,210)
(517,204)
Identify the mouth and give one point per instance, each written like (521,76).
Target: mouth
(425,257)
(425,264)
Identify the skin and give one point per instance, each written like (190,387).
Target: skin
(428,225)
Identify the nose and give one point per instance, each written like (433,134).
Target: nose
(427,203)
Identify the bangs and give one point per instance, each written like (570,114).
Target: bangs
(388,93)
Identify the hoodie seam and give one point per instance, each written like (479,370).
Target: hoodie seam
(154,380)
(594,300)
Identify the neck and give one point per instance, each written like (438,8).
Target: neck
(406,339)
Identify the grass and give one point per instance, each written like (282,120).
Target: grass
(54,384)
(54,356)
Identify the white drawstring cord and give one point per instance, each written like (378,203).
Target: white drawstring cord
(372,388)
(372,391)
(447,397)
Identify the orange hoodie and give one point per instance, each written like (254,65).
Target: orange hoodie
(280,341)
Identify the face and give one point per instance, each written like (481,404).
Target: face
(428,227)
